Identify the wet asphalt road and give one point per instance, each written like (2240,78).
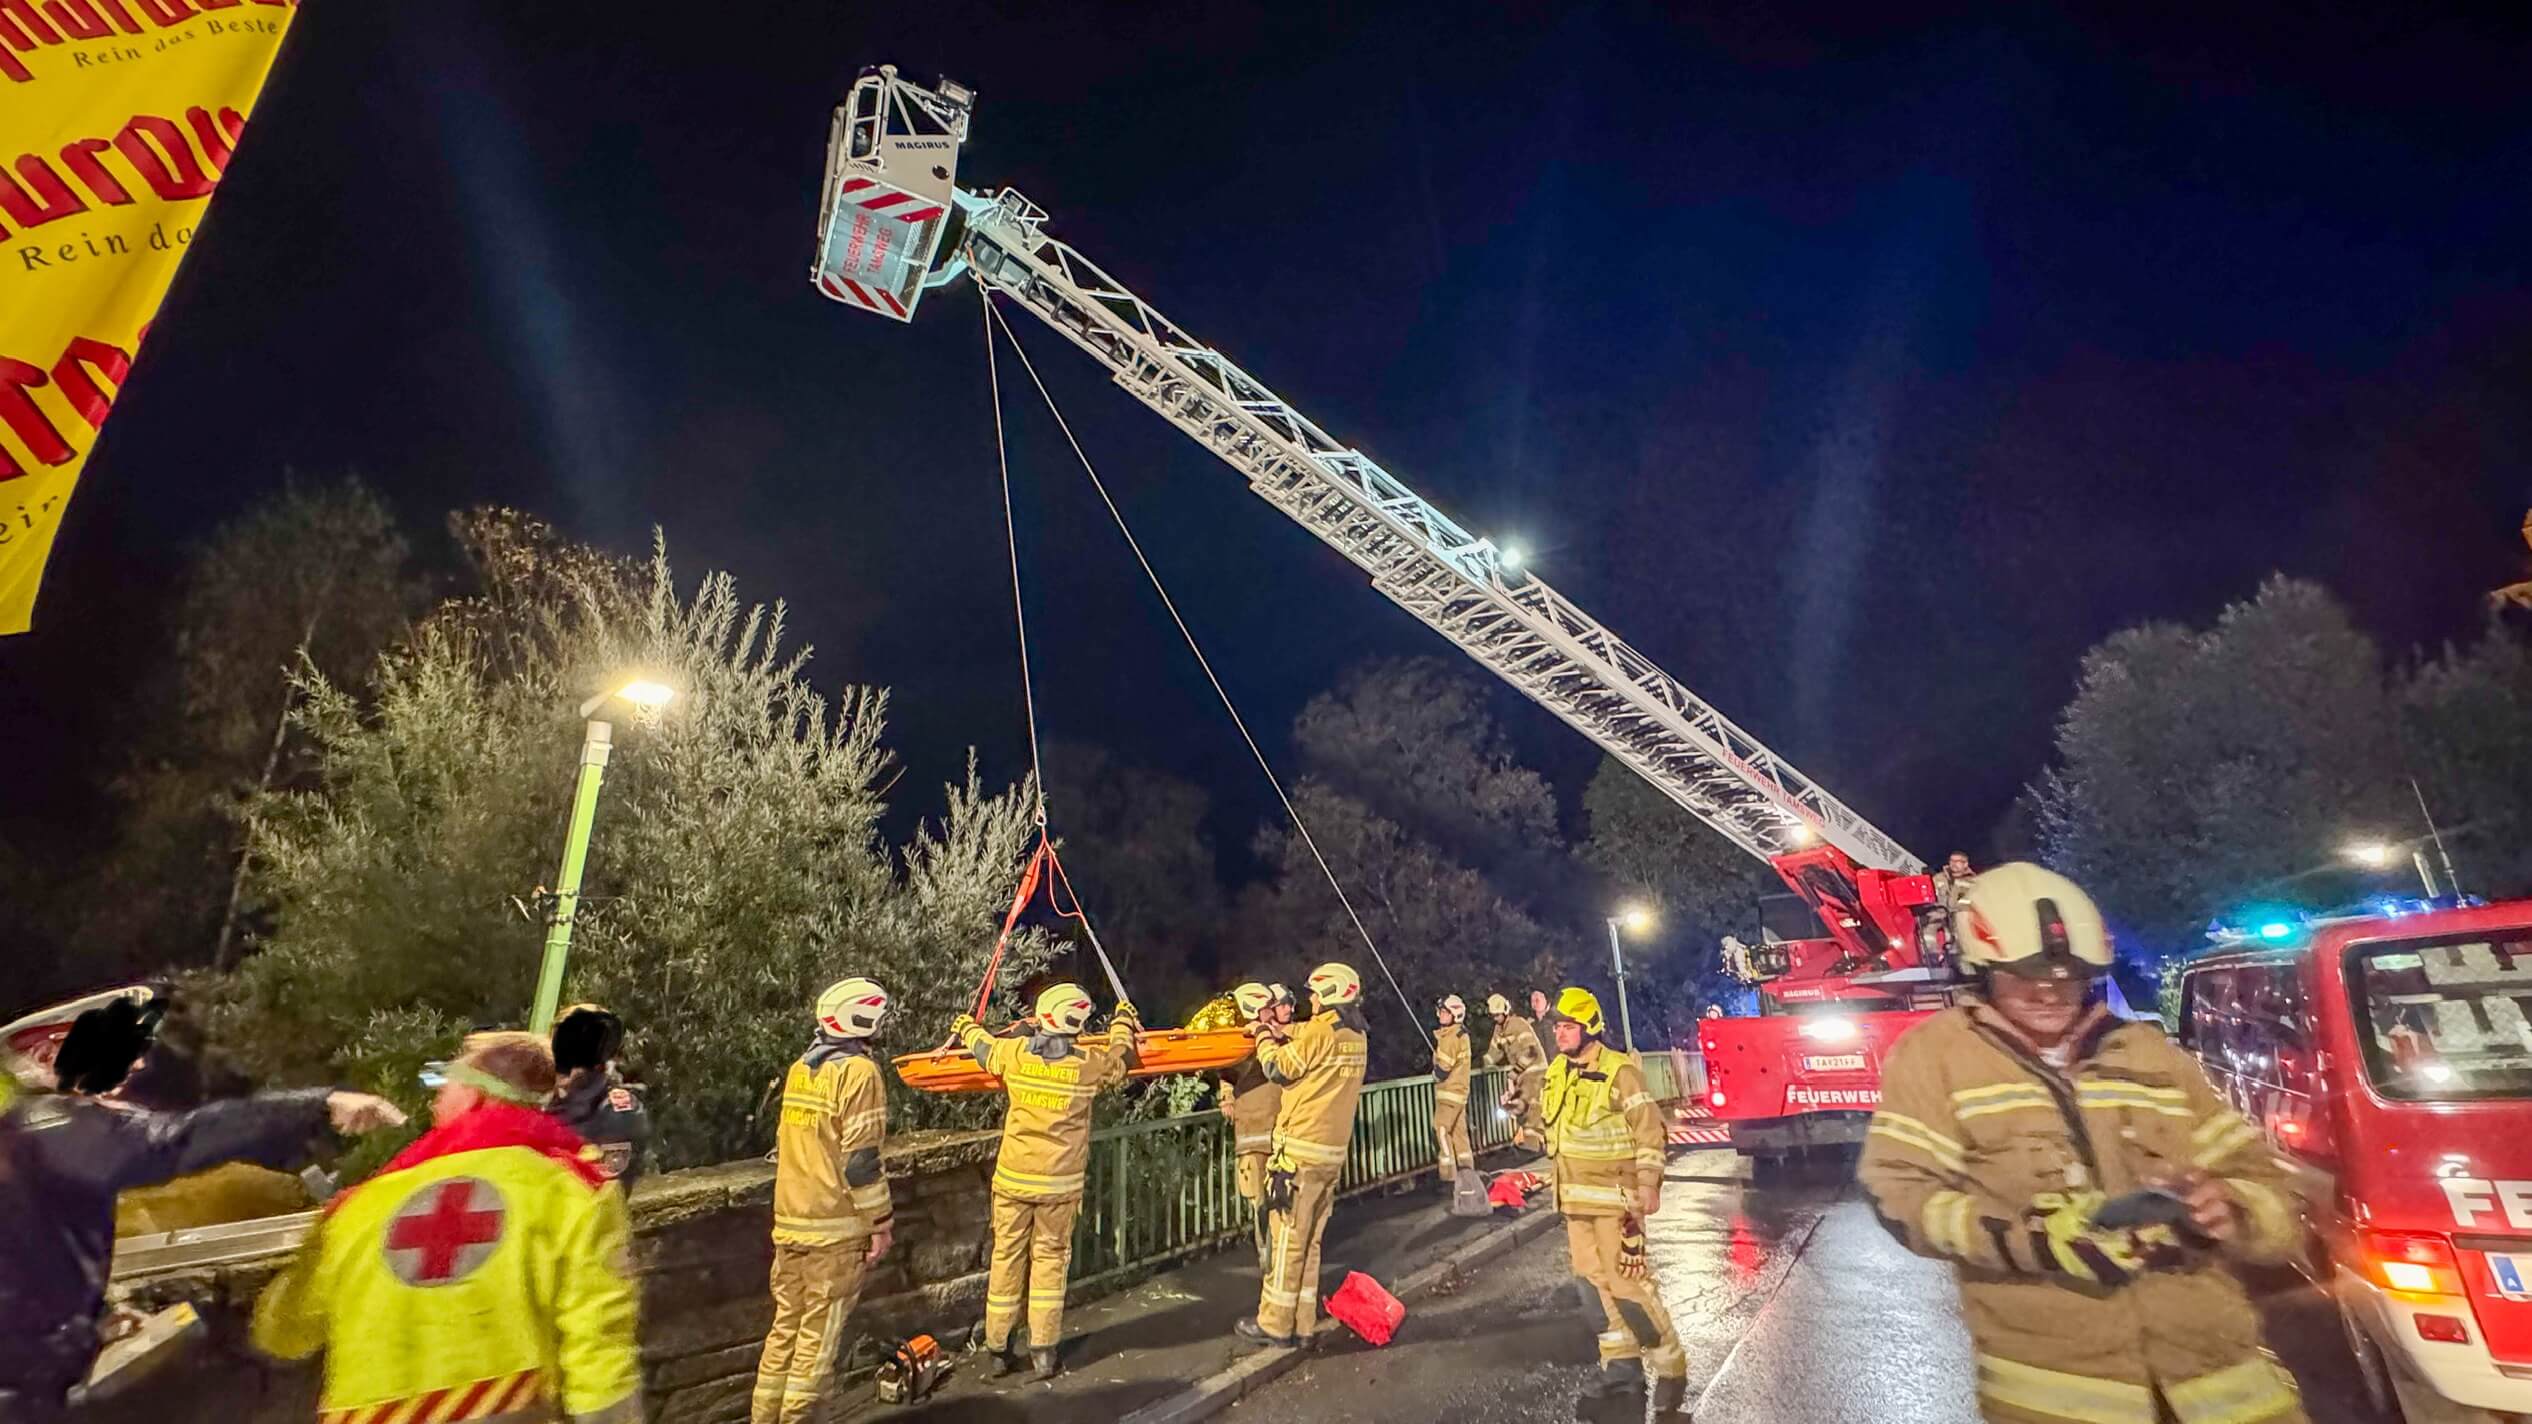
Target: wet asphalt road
(1793,1303)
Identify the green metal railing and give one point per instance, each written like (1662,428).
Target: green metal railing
(1167,1188)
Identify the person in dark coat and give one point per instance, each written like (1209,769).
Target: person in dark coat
(63,1157)
(590,1096)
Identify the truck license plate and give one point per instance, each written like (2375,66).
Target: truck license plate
(2509,1271)
(1833,1063)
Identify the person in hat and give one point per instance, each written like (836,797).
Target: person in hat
(590,1096)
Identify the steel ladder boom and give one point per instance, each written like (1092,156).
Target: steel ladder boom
(1514,623)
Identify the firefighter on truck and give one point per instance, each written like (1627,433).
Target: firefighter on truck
(2090,1190)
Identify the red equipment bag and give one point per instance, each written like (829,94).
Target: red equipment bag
(1365,1308)
(1513,1189)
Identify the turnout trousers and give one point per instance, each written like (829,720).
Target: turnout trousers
(1450,1133)
(1288,1300)
(1032,1264)
(815,1290)
(1633,1323)
(1252,1186)
(1533,1133)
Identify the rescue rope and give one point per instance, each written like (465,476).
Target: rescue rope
(995,317)
(1011,541)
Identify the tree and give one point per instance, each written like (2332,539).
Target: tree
(1701,887)
(2463,714)
(1134,843)
(318,572)
(1441,927)
(2197,770)
(737,867)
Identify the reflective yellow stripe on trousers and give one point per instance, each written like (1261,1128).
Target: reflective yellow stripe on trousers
(2055,1394)
(2246,1393)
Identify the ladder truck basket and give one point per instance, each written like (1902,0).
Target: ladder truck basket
(888,218)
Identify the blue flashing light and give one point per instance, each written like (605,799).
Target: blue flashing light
(2275,929)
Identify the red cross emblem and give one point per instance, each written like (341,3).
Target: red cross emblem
(444,1231)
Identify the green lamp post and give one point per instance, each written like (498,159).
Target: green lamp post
(646,698)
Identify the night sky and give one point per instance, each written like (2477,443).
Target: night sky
(1861,369)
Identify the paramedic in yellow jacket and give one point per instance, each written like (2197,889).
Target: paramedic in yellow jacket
(481,1275)
(832,1216)
(1606,1137)
(1250,1100)
(1516,1046)
(1051,1079)
(1320,1065)
(1452,1055)
(2005,1128)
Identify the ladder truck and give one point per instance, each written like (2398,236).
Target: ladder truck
(893,224)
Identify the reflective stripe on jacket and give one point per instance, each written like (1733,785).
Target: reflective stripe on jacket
(1321,1068)
(1604,1131)
(1516,1046)
(1045,1149)
(1450,1065)
(829,1183)
(1974,1129)
(1251,1100)
(483,1270)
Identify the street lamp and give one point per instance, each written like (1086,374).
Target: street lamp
(1637,920)
(646,698)
(2378,855)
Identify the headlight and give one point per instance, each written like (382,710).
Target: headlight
(1833,1029)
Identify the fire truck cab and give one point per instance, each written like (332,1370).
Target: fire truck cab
(2389,1056)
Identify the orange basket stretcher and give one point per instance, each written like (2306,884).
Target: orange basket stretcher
(1161,1051)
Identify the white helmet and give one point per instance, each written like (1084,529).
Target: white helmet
(852,1008)
(1498,1005)
(2031,921)
(1063,1009)
(1252,999)
(1453,1005)
(1335,985)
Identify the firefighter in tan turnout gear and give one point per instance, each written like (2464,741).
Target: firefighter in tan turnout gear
(1320,1065)
(1452,1057)
(1516,1046)
(1250,1100)
(831,1208)
(1050,1079)
(2088,1187)
(1606,1137)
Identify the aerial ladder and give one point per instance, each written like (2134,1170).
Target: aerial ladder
(894,223)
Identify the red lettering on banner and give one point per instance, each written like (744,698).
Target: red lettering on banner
(51,200)
(81,389)
(77,19)
(96,9)
(217,4)
(19,413)
(23,27)
(167,14)
(168,166)
(215,146)
(80,156)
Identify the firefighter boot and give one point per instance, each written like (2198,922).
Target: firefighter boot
(1670,1401)
(1614,1396)
(1043,1365)
(1253,1335)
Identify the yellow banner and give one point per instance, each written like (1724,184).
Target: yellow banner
(117,118)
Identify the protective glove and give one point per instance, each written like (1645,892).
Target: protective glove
(1126,1012)
(960,1026)
(1282,1179)
(2064,1240)
(1631,1262)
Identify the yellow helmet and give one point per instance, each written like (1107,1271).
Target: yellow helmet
(1579,1005)
(1252,998)
(1335,985)
(852,1008)
(2034,922)
(1063,1009)
(1498,1005)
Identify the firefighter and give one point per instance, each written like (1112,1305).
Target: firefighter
(832,1216)
(63,1157)
(481,1274)
(1516,1047)
(1452,1056)
(590,1097)
(1320,1065)
(1606,1138)
(1249,1100)
(2006,1124)
(1050,1080)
